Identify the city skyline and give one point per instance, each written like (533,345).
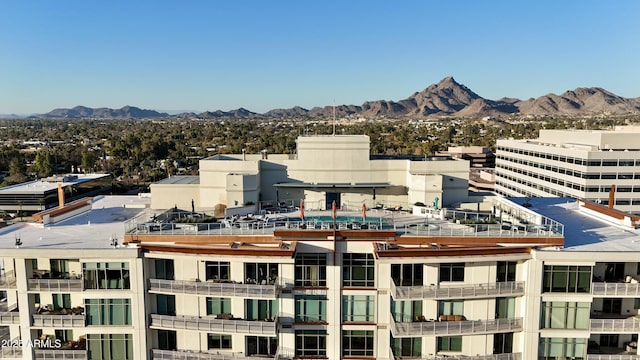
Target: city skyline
(206,56)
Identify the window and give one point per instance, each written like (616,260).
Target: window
(505,308)
(108,311)
(450,307)
(506,271)
(503,343)
(562,348)
(311,270)
(166,304)
(636,303)
(358,308)
(358,270)
(406,311)
(450,343)
(64,335)
(61,301)
(112,275)
(110,346)
(614,272)
(260,273)
(217,270)
(563,278)
(167,340)
(218,341)
(452,272)
(311,308)
(609,340)
(261,310)
(565,315)
(409,347)
(164,269)
(407,274)
(612,306)
(261,345)
(311,343)
(59,268)
(216,305)
(357,343)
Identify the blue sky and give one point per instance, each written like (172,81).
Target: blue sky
(261,55)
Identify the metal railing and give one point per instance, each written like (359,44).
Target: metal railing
(612,357)
(404,329)
(405,224)
(198,355)
(507,356)
(11,353)
(213,325)
(628,325)
(57,321)
(457,291)
(8,280)
(10,315)
(213,288)
(55,284)
(615,289)
(61,354)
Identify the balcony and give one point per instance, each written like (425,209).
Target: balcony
(211,324)
(9,314)
(8,280)
(615,289)
(463,291)
(612,357)
(464,327)
(11,353)
(198,355)
(630,325)
(58,320)
(55,284)
(62,354)
(508,356)
(268,291)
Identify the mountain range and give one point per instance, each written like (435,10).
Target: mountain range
(446,98)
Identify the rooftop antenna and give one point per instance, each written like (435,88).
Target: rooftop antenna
(334,117)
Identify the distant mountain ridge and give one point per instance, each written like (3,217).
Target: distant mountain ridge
(129,112)
(446,98)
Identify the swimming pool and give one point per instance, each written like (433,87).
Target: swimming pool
(342,219)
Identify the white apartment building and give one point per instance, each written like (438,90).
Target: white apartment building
(581,164)
(555,280)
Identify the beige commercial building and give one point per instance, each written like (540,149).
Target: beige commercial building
(583,164)
(324,169)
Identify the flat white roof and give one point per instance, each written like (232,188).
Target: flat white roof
(41,186)
(89,230)
(581,231)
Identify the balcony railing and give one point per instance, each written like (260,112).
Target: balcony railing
(7,280)
(616,326)
(213,288)
(211,324)
(55,284)
(616,289)
(9,315)
(457,291)
(11,353)
(464,327)
(58,321)
(198,355)
(62,354)
(508,356)
(613,357)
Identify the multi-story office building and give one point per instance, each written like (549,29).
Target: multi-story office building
(581,164)
(555,280)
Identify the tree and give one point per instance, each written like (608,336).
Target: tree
(43,164)
(89,159)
